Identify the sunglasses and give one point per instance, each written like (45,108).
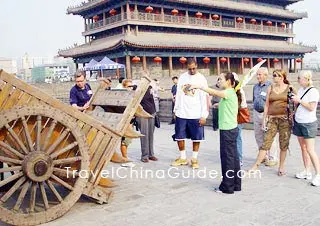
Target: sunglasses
(276,75)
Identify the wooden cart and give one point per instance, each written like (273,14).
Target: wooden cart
(47,148)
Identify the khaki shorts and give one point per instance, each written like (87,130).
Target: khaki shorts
(274,125)
(125,141)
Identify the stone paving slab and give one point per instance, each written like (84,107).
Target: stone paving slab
(271,200)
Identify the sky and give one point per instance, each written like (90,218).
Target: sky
(41,27)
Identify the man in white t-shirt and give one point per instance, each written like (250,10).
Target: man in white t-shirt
(191,112)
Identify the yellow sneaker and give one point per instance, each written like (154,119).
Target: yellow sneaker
(194,163)
(179,162)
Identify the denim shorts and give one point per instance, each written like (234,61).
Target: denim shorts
(188,129)
(305,130)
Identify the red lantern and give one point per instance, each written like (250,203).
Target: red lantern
(275,60)
(198,14)
(183,60)
(283,25)
(174,12)
(260,59)
(246,60)
(149,9)
(269,23)
(253,21)
(239,20)
(135,59)
(95,18)
(157,59)
(299,60)
(113,12)
(206,60)
(215,17)
(223,60)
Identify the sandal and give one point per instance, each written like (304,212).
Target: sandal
(281,173)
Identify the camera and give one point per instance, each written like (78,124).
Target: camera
(290,93)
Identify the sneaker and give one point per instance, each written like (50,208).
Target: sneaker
(271,163)
(179,162)
(194,163)
(304,175)
(316,181)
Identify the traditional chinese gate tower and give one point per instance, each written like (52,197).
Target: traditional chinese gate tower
(159,35)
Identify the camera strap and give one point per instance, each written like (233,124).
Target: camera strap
(304,95)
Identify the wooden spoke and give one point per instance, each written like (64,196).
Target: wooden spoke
(27,133)
(63,183)
(9,150)
(10,160)
(65,149)
(49,134)
(21,196)
(44,196)
(10,169)
(11,178)
(58,141)
(67,160)
(54,191)
(13,189)
(16,138)
(33,196)
(68,173)
(38,137)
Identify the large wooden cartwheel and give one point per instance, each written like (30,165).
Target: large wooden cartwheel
(36,146)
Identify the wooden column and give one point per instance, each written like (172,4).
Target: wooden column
(128,28)
(104,18)
(118,70)
(144,63)
(220,20)
(228,59)
(218,66)
(268,62)
(162,14)
(301,64)
(170,66)
(242,65)
(187,17)
(295,65)
(251,62)
(261,25)
(128,67)
(122,13)
(137,29)
(85,24)
(282,64)
(128,11)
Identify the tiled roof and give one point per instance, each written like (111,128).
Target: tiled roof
(221,4)
(186,41)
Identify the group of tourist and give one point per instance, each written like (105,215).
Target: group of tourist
(277,108)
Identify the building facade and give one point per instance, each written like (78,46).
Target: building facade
(159,35)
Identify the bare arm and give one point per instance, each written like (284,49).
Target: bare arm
(266,106)
(211,91)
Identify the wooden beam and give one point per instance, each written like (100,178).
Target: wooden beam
(228,59)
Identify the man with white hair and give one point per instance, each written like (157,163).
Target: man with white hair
(259,100)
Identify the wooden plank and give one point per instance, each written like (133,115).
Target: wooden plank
(4,94)
(12,99)
(110,119)
(105,158)
(91,135)
(95,144)
(24,99)
(114,98)
(98,156)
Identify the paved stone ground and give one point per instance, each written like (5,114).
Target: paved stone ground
(271,200)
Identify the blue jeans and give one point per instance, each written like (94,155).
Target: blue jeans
(239,142)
